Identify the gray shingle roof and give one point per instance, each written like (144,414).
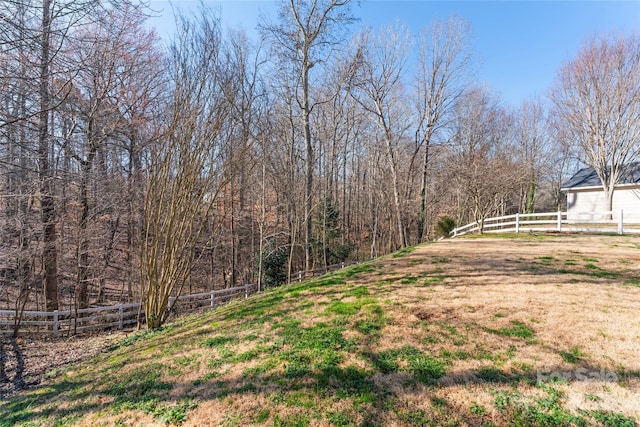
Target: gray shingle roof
(587,177)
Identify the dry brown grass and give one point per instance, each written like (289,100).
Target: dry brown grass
(499,313)
(546,284)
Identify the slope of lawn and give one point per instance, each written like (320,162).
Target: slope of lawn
(501,330)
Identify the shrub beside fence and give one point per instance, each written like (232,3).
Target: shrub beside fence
(71,322)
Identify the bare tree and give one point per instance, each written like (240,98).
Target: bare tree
(597,99)
(186,171)
(444,69)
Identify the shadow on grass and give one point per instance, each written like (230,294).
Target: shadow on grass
(11,367)
(371,396)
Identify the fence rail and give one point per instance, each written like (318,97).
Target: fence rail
(71,322)
(618,221)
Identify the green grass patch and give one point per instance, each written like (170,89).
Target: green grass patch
(141,385)
(344,308)
(359,291)
(340,419)
(547,410)
(610,419)
(632,282)
(572,356)
(348,382)
(433,280)
(187,361)
(424,368)
(330,281)
(173,414)
(262,416)
(517,329)
(547,260)
(415,417)
(477,409)
(294,420)
(351,271)
(409,280)
(592,270)
(372,323)
(311,349)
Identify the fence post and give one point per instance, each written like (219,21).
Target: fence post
(559,221)
(518,222)
(120,311)
(246,291)
(620,223)
(56,323)
(212,298)
(300,276)
(171,302)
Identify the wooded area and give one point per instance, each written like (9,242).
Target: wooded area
(131,171)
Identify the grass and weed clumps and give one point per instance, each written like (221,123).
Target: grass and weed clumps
(428,336)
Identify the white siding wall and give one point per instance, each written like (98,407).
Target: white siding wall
(627,199)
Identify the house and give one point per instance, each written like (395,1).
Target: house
(585,194)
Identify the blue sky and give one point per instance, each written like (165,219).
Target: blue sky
(521,45)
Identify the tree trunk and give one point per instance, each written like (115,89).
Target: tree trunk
(608,193)
(50,254)
(423,193)
(396,193)
(531,196)
(308,164)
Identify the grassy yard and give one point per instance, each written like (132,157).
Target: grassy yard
(490,331)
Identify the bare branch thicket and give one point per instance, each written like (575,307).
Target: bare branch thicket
(444,69)
(35,38)
(481,163)
(533,152)
(378,87)
(307,34)
(105,115)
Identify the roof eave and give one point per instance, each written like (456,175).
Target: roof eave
(599,187)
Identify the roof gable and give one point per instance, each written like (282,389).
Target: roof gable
(587,177)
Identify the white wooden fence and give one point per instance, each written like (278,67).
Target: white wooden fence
(583,222)
(71,322)
(212,299)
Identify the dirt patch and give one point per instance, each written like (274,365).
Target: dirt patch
(26,362)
